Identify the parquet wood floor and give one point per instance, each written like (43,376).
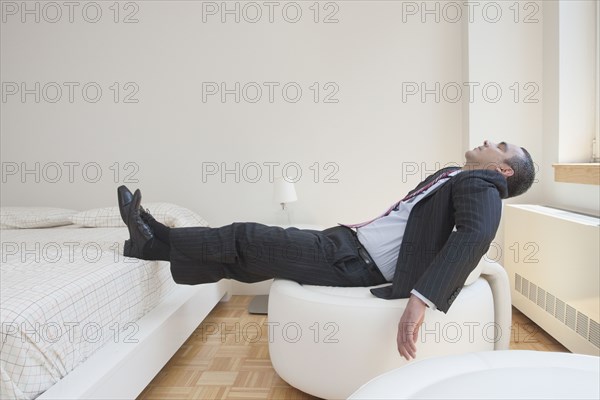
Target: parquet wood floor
(227,357)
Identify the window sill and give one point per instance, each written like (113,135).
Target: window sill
(586,173)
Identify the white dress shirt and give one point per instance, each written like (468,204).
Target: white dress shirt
(382,238)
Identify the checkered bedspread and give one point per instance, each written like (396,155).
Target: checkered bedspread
(66,292)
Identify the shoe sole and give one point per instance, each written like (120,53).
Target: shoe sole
(121,191)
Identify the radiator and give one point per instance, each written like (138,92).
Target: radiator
(552,259)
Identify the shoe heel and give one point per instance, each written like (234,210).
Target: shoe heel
(127,248)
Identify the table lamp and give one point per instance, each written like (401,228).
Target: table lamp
(284,193)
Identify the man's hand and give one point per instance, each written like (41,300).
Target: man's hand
(408,327)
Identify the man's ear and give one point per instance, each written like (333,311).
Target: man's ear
(505,170)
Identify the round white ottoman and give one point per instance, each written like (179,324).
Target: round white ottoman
(328,341)
(513,374)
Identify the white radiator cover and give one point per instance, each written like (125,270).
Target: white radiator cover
(553,259)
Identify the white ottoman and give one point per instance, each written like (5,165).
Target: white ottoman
(328,341)
(514,374)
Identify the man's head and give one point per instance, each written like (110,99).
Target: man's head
(512,161)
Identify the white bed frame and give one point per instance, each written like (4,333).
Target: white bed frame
(123,370)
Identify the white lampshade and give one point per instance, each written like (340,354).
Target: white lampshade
(284,191)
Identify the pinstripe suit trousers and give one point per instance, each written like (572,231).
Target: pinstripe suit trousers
(251,252)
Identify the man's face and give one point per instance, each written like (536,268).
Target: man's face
(492,156)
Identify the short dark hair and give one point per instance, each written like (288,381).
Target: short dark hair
(524,174)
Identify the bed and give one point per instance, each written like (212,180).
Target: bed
(76,314)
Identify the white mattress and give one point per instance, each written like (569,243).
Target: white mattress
(65,292)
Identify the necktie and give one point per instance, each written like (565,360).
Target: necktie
(406,198)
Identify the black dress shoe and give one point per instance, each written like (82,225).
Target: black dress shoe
(124,197)
(146,216)
(139,232)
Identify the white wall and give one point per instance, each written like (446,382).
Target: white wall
(553,53)
(168,135)
(505,70)
(379,144)
(542,117)
(577,69)
(505,60)
(379,140)
(566,138)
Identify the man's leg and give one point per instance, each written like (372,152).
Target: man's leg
(251,252)
(159,247)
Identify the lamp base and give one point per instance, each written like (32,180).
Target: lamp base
(284,217)
(259,305)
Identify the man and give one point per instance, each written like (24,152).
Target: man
(426,245)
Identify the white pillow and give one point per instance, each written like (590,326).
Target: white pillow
(34,217)
(169,214)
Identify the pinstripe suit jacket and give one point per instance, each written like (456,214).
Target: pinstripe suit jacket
(434,259)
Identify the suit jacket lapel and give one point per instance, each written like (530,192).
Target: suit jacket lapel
(432,177)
